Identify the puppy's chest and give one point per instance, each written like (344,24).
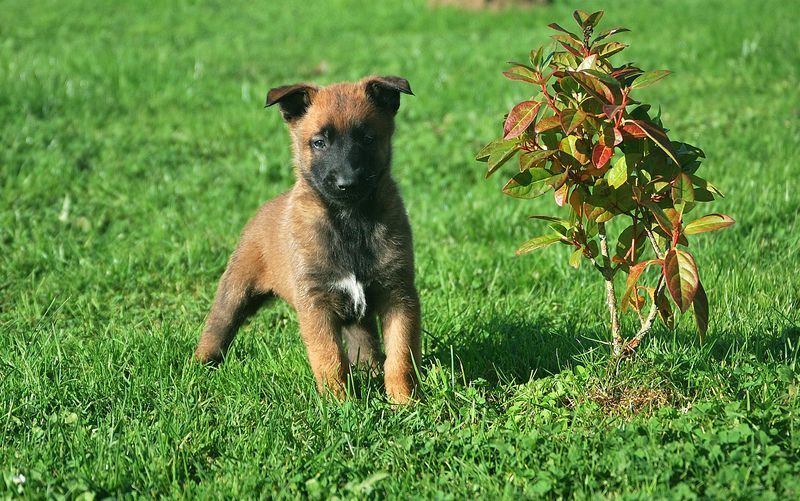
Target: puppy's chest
(356,258)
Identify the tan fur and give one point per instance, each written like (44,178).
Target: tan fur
(281,252)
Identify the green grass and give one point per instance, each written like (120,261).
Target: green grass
(134,147)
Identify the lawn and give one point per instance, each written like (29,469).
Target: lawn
(134,146)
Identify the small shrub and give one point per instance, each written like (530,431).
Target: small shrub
(608,157)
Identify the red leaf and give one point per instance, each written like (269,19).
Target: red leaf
(633,277)
(561,195)
(633,130)
(680,273)
(611,110)
(601,155)
(571,50)
(520,117)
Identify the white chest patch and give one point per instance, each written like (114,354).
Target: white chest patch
(353,288)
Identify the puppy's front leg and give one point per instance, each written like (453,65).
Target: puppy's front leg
(400,319)
(321,333)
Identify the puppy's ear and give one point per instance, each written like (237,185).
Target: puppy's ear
(293,100)
(385,91)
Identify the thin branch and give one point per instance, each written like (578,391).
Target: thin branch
(611,297)
(647,324)
(656,249)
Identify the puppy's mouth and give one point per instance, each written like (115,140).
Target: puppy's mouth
(352,194)
(349,195)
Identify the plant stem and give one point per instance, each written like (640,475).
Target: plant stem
(647,324)
(611,297)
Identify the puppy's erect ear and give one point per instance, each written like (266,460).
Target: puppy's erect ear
(292,99)
(385,91)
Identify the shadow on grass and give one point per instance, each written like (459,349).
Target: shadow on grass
(781,346)
(503,349)
(514,350)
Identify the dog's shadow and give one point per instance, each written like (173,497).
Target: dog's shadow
(502,349)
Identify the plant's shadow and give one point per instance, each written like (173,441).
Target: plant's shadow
(778,345)
(514,350)
(510,349)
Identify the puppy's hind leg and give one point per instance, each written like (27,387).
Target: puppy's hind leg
(235,301)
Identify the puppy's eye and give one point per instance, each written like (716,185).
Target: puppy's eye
(368,139)
(319,144)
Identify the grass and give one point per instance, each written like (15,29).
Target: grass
(134,148)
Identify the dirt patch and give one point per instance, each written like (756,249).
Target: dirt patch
(631,400)
(488,4)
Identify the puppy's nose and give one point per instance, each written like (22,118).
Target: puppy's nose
(345,183)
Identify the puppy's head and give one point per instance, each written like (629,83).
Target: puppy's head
(341,134)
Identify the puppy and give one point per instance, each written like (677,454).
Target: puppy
(337,246)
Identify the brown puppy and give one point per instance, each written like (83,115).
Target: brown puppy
(337,246)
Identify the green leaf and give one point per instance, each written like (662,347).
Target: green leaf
(649,78)
(524,74)
(529,184)
(661,217)
(682,192)
(594,18)
(609,135)
(633,277)
(547,123)
(709,222)
(568,40)
(587,63)
(581,16)
(702,183)
(658,136)
(594,86)
(552,219)
(665,311)
(700,310)
(536,57)
(575,258)
(680,273)
(571,119)
(519,118)
(609,49)
(558,27)
(497,153)
(538,243)
(604,77)
(618,174)
(626,239)
(610,32)
(534,159)
(575,151)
